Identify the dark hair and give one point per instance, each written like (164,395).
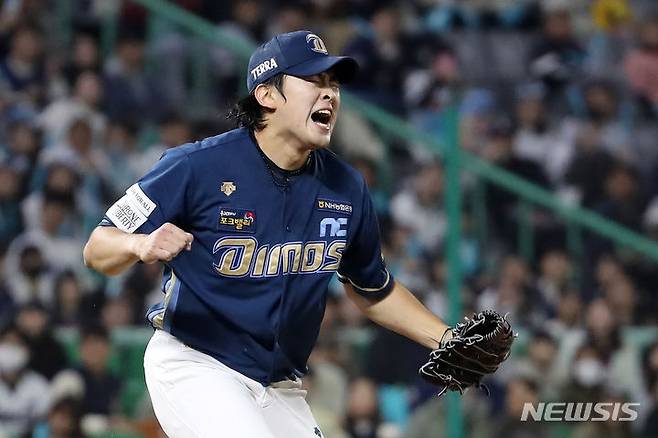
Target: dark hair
(95,331)
(248,113)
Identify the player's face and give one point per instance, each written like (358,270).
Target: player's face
(311,108)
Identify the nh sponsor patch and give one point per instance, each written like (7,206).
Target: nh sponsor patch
(237,219)
(132,210)
(336,206)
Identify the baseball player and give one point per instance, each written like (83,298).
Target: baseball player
(251,225)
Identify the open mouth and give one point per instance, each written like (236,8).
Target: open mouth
(322,118)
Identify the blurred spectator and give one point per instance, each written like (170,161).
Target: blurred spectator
(380,53)
(174,130)
(602,111)
(117,312)
(590,166)
(24,394)
(11,222)
(22,151)
(59,250)
(623,297)
(650,365)
(90,163)
(123,154)
(417,208)
(362,417)
(47,356)
(650,427)
(77,149)
(624,201)
(569,314)
(62,182)
(554,279)
(519,392)
(402,355)
(431,418)
(131,94)
(537,137)
(540,365)
(329,420)
(30,279)
(84,57)
(610,41)
(432,86)
(641,66)
(69,306)
(512,292)
(100,387)
(64,421)
(558,56)
(502,206)
(476,111)
(368,169)
(22,71)
(610,428)
(84,103)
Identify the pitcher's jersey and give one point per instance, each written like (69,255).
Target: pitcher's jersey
(252,290)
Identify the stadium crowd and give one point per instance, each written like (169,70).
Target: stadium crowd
(561,93)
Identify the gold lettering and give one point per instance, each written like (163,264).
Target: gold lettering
(294,249)
(259,265)
(273,260)
(335,252)
(313,255)
(237,256)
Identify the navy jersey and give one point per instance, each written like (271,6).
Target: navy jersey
(252,290)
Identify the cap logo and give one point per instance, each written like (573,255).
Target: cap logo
(263,68)
(316,43)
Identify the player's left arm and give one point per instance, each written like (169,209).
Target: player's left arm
(401,312)
(372,287)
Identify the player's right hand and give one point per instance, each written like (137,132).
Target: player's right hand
(164,244)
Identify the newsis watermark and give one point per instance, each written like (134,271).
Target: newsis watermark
(579,411)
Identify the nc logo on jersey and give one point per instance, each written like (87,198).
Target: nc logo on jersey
(333,227)
(316,43)
(228,188)
(237,219)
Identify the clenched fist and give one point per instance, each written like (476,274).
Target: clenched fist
(164,244)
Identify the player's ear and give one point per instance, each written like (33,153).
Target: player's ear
(266,96)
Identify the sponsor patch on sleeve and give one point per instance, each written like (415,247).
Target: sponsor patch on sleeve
(132,210)
(125,215)
(335,206)
(140,200)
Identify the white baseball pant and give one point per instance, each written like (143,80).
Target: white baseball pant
(196,396)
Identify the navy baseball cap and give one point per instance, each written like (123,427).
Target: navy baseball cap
(300,53)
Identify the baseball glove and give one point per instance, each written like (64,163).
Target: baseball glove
(469,351)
